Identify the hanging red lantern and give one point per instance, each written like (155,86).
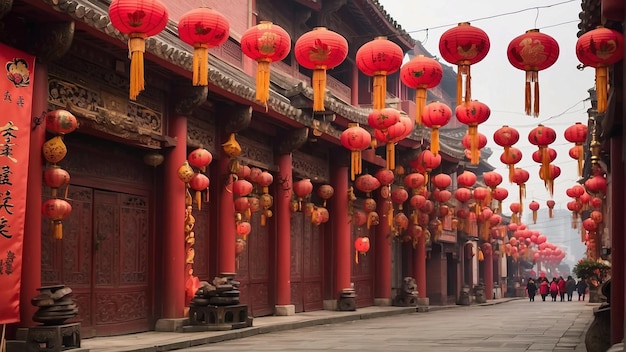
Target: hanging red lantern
(61,122)
(200,158)
(265,43)
(362,246)
(319,50)
(520,177)
(553,172)
(414,180)
(139,19)
(359,217)
(532,52)
(243,228)
(383,119)
(577,134)
(551,203)
(55,178)
(394,134)
(254,174)
(590,225)
(542,136)
(472,114)
(534,206)
(202,28)
(506,136)
(596,216)
(466,179)
(600,48)
(265,180)
(421,73)
(442,196)
(463,195)
(385,177)
(367,183)
(463,46)
(199,183)
(435,116)
(242,188)
(513,157)
(303,188)
(56,210)
(427,161)
(379,58)
(325,192)
(356,139)
(399,196)
(442,181)
(243,205)
(538,157)
(499,194)
(481,194)
(492,179)
(596,184)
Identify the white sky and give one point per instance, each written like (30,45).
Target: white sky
(501,86)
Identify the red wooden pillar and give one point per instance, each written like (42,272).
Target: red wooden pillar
(341,229)
(227,231)
(616,228)
(31,256)
(174,223)
(283,233)
(382,280)
(488,274)
(419,266)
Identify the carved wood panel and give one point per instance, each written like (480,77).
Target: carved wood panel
(363,272)
(202,248)
(306,264)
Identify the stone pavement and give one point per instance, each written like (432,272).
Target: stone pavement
(556,331)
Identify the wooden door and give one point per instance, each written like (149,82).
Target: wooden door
(363,271)
(104,258)
(306,264)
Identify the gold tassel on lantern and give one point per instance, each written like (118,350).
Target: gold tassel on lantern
(136,46)
(379,93)
(198,196)
(391,156)
(581,158)
(200,64)
(420,103)
(481,256)
(472,130)
(532,77)
(534,216)
(434,140)
(390,215)
(355,163)
(263,81)
(463,70)
(601,83)
(459,86)
(319,88)
(56,227)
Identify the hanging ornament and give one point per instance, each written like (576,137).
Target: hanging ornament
(54,150)
(231,147)
(361,246)
(534,207)
(466,141)
(383,119)
(505,137)
(426,162)
(577,134)
(199,183)
(600,48)
(60,122)
(185,172)
(400,130)
(542,136)
(551,203)
(532,52)
(265,180)
(56,210)
(513,157)
(367,184)
(55,178)
(325,192)
(242,188)
(435,116)
(473,113)
(302,189)
(499,194)
(520,177)
(319,50)
(356,139)
(464,46)
(139,19)
(200,158)
(265,43)
(243,229)
(202,28)
(379,58)
(421,73)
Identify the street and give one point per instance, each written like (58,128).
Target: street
(518,325)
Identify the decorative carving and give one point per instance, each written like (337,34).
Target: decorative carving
(116,307)
(311,167)
(5,7)
(292,140)
(201,132)
(53,40)
(235,118)
(189,98)
(256,153)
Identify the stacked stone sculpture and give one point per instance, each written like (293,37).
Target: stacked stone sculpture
(54,305)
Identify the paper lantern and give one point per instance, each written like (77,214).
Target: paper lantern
(499,194)
(441,181)
(202,28)
(435,116)
(426,162)
(550,203)
(492,179)
(139,19)
(577,134)
(356,139)
(463,195)
(393,135)
(534,206)
(542,136)
(303,188)
(466,179)
(532,52)
(319,50)
(421,73)
(506,136)
(199,183)
(362,246)
(472,114)
(55,178)
(242,188)
(56,210)
(464,46)
(243,228)
(600,48)
(54,150)
(399,196)
(60,122)
(325,192)
(385,177)
(367,183)
(513,157)
(520,177)
(383,119)
(379,58)
(596,184)
(414,180)
(265,43)
(200,158)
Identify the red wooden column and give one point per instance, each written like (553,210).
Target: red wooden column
(31,257)
(283,238)
(174,223)
(382,278)
(341,229)
(227,231)
(616,228)
(488,274)
(419,267)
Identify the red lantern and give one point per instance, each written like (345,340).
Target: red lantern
(442,181)
(242,188)
(421,73)
(596,216)
(383,119)
(243,229)
(319,50)
(384,176)
(265,43)
(202,28)
(303,188)
(243,203)
(60,122)
(537,155)
(492,179)
(264,180)
(515,207)
(472,114)
(463,195)
(442,196)
(481,194)
(551,203)
(399,196)
(600,48)
(520,177)
(532,52)
(463,46)
(534,206)
(513,157)
(435,116)
(362,246)
(56,210)
(55,178)
(596,184)
(199,183)
(200,158)
(577,134)
(356,139)
(499,194)
(542,136)
(466,179)
(427,161)
(139,19)
(367,183)
(414,180)
(379,58)
(325,192)
(505,137)
(590,225)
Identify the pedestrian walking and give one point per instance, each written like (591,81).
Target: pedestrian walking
(554,289)
(544,288)
(531,289)
(562,285)
(570,287)
(581,287)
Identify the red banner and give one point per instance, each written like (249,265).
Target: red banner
(16,86)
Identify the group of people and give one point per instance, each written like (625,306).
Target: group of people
(558,287)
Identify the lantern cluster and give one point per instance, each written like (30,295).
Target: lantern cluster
(393,134)
(577,134)
(192,174)
(472,114)
(253,194)
(506,137)
(57,208)
(542,136)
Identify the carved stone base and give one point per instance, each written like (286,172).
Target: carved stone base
(345,304)
(235,316)
(54,338)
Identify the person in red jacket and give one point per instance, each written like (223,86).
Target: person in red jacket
(544,288)
(562,289)
(554,289)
